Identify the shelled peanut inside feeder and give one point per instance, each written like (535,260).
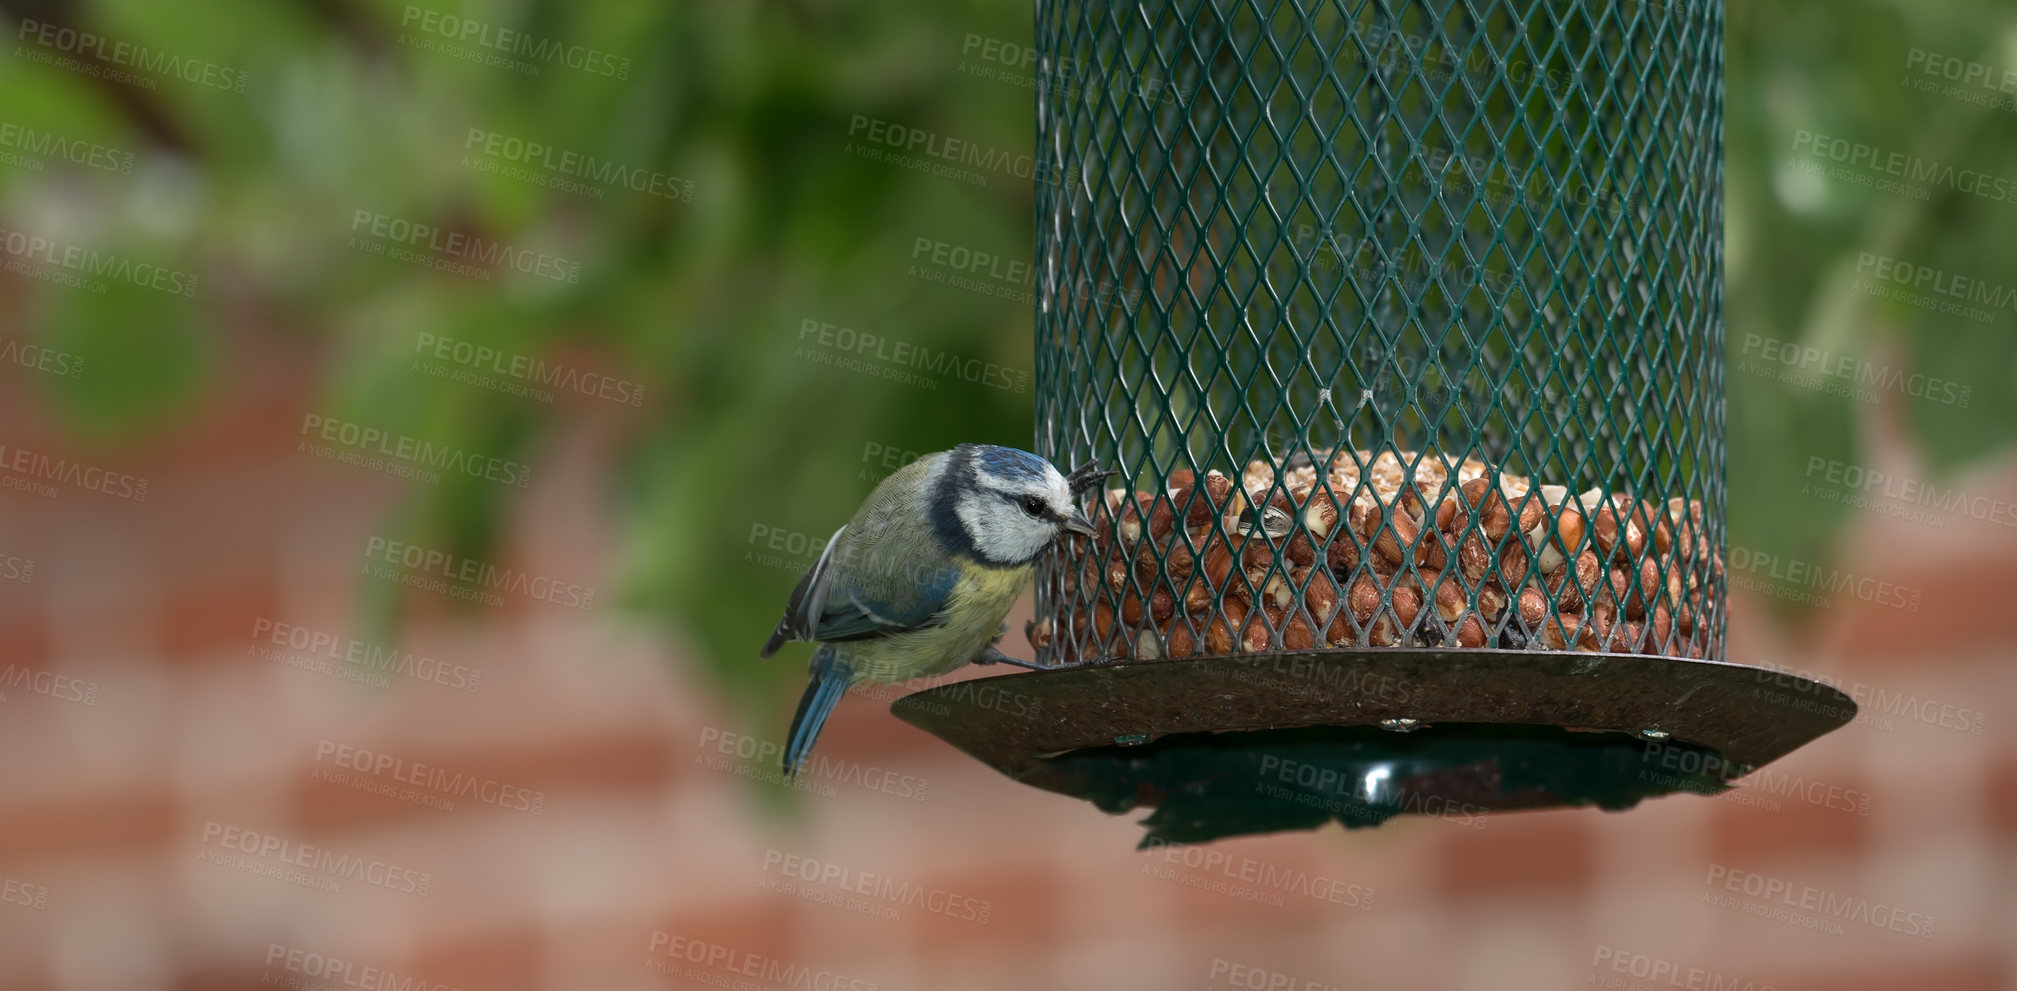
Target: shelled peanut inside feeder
(1418,425)
(1214,567)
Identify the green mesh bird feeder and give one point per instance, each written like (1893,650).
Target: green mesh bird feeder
(1400,323)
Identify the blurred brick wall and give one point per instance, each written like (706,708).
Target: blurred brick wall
(170,744)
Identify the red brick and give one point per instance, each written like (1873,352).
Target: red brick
(1763,825)
(199,620)
(246,431)
(637,759)
(24,638)
(1955,971)
(1519,852)
(1255,883)
(499,960)
(1020,902)
(863,730)
(2001,791)
(203,979)
(1960,608)
(756,928)
(117,820)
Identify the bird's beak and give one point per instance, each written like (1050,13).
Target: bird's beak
(1078,523)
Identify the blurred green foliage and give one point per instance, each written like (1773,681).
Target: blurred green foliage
(346,109)
(1794,242)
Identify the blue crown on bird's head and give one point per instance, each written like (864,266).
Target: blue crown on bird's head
(1006,462)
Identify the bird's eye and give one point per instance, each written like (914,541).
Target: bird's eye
(1033,506)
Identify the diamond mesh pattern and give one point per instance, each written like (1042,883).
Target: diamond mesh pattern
(1469,229)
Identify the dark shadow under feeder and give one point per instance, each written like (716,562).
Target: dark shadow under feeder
(1234,746)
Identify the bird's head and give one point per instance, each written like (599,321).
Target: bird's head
(1006,505)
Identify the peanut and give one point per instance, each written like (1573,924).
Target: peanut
(1565,541)
(1192,571)
(1571,586)
(1320,597)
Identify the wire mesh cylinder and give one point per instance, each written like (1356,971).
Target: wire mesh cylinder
(1434,288)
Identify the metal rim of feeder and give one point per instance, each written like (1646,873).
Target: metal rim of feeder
(1457,734)
(1323,234)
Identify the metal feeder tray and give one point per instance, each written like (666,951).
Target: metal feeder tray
(1231,746)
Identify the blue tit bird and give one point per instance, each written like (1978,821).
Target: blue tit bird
(917,583)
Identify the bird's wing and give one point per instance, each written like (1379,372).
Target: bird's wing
(882,573)
(808,601)
(857,609)
(849,595)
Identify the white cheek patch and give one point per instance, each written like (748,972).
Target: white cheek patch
(974,517)
(1001,530)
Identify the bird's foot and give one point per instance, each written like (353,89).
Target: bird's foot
(993,655)
(1085,477)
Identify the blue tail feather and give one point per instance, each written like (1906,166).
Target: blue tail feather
(830,677)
